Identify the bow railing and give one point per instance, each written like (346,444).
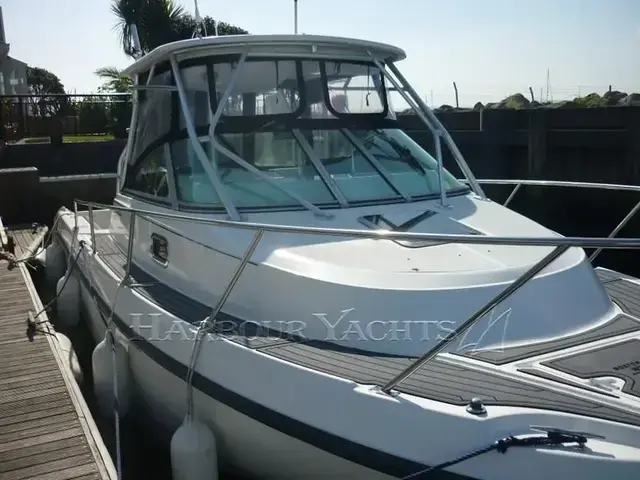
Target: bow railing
(560,245)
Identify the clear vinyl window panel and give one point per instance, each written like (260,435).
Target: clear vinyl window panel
(263,87)
(151,175)
(355,88)
(193,185)
(154,114)
(279,156)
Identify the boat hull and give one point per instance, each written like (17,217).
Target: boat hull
(273,419)
(244,445)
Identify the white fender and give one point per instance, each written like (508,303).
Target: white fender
(103,377)
(68,300)
(69,356)
(193,452)
(53,260)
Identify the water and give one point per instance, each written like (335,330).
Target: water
(142,455)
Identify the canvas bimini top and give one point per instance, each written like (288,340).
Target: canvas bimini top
(298,45)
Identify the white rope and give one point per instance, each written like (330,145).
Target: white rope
(47,240)
(110,336)
(203,329)
(72,261)
(208,323)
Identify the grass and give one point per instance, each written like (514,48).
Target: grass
(72,138)
(103,137)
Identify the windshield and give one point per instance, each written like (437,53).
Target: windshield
(322,130)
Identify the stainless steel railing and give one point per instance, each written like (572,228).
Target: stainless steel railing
(583,242)
(560,244)
(477,315)
(560,183)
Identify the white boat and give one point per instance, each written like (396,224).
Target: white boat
(371,315)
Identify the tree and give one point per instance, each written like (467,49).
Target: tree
(159,22)
(154,19)
(186,25)
(43,84)
(113,80)
(118,107)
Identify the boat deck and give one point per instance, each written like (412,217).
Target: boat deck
(441,379)
(46,431)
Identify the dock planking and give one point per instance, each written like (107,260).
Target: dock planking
(46,429)
(25,238)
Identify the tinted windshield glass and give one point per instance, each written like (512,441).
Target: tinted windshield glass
(375,165)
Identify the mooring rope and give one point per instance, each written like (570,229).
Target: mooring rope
(13,261)
(9,257)
(72,261)
(114,364)
(208,324)
(205,326)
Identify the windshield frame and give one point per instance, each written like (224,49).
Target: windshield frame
(291,123)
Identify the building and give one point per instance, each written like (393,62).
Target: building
(13,73)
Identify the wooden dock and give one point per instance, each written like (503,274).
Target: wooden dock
(46,429)
(25,238)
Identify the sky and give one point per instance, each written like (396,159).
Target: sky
(490,48)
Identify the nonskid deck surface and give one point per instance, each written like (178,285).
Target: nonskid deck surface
(624,293)
(441,380)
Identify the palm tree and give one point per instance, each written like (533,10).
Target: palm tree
(113,80)
(116,108)
(186,25)
(159,22)
(155,19)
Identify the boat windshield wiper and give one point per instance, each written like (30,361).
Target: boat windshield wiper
(404,153)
